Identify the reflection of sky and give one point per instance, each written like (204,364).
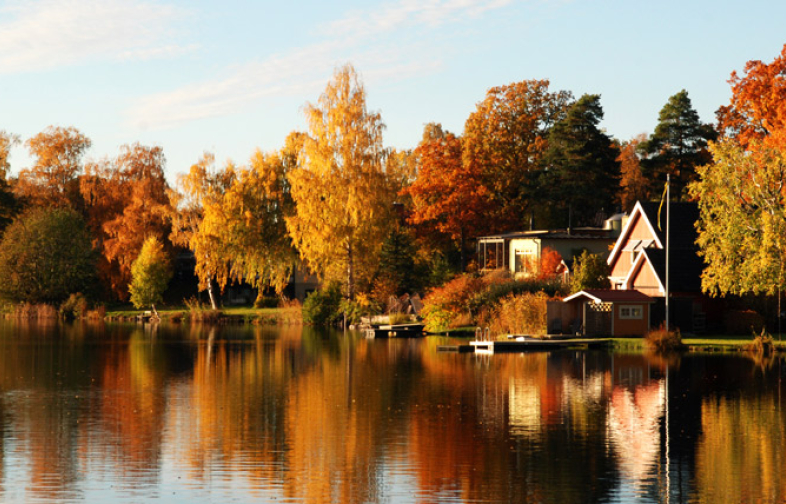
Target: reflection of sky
(634,431)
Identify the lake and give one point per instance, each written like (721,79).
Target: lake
(126,413)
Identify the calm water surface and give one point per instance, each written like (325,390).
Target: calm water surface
(118,413)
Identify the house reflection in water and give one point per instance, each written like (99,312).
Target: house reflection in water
(619,397)
(634,429)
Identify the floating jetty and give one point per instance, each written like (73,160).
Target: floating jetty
(524,344)
(395,331)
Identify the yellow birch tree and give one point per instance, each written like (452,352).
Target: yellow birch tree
(200,191)
(342,196)
(253,213)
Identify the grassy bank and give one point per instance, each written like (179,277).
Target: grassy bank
(231,315)
(711,343)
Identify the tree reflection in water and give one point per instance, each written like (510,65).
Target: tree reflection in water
(204,413)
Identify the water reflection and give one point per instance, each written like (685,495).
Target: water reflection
(123,413)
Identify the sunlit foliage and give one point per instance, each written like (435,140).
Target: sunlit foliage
(45,256)
(342,196)
(53,178)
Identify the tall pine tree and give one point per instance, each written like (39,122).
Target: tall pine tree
(678,145)
(581,173)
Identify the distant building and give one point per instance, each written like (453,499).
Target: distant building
(521,252)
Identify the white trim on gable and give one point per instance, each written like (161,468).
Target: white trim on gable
(582,293)
(623,238)
(626,284)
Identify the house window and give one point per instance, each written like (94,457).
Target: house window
(631,312)
(525,260)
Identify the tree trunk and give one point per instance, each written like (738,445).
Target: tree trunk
(350,272)
(211,295)
(462,245)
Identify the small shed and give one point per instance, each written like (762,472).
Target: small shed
(601,312)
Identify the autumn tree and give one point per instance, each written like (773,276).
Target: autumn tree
(590,271)
(678,145)
(742,210)
(53,178)
(202,187)
(251,222)
(580,173)
(449,196)
(742,218)
(342,196)
(45,256)
(7,141)
(633,185)
(504,140)
(550,264)
(397,271)
(126,200)
(9,205)
(150,273)
(757,109)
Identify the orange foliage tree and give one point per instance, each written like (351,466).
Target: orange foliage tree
(504,140)
(53,178)
(633,184)
(550,264)
(757,109)
(448,197)
(126,201)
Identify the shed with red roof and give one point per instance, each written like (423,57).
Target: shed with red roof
(605,312)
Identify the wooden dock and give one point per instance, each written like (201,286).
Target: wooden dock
(534,344)
(395,331)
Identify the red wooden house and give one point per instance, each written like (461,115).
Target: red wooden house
(638,262)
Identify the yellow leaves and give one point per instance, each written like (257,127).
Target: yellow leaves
(742,226)
(341,193)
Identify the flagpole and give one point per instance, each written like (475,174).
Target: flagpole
(668,230)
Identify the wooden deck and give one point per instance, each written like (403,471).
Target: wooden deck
(395,331)
(524,344)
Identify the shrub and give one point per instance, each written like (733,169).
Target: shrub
(743,322)
(35,311)
(662,340)
(198,312)
(97,313)
(443,305)
(362,306)
(590,271)
(520,314)
(762,345)
(75,307)
(322,307)
(266,302)
(470,299)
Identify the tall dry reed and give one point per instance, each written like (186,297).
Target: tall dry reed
(520,314)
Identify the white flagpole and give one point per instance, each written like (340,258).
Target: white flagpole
(668,230)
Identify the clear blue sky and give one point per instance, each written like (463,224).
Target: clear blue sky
(232,76)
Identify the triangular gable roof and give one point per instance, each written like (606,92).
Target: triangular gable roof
(682,220)
(637,213)
(611,296)
(685,268)
(644,260)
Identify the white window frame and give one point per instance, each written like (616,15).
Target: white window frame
(631,312)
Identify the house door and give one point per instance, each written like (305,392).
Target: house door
(597,319)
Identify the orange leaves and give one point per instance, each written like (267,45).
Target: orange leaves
(448,196)
(758,104)
(126,201)
(52,180)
